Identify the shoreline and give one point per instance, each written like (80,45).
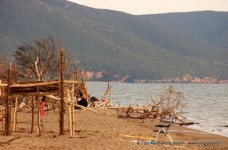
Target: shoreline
(210,132)
(208,121)
(160,82)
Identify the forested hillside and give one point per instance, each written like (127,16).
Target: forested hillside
(122,45)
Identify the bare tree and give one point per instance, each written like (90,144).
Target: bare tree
(39,59)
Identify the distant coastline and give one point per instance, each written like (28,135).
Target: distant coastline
(186,79)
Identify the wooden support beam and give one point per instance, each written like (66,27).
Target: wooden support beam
(31,84)
(72,109)
(0,87)
(38,116)
(62,109)
(69,115)
(15,114)
(33,114)
(72,82)
(46,83)
(31,94)
(8,108)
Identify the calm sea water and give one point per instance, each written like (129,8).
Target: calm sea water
(206,103)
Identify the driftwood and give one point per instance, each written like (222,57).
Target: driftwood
(187,123)
(168,108)
(8,142)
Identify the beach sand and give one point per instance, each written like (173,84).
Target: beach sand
(105,131)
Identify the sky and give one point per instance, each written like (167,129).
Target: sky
(138,7)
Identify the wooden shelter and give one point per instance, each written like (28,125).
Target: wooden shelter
(62,91)
(50,89)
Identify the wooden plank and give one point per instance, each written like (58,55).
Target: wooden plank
(72,82)
(19,90)
(39,83)
(31,94)
(35,84)
(31,84)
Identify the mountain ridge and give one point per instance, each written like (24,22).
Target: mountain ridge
(118,43)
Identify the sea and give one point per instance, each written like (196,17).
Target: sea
(206,104)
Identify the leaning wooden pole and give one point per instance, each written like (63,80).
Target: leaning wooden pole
(8,110)
(62,109)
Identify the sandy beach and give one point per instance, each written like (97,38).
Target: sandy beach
(104,130)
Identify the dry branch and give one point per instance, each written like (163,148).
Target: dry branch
(169,107)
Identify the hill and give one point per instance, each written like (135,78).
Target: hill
(207,26)
(122,45)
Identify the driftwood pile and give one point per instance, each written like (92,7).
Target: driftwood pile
(168,108)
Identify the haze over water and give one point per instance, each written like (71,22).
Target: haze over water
(206,103)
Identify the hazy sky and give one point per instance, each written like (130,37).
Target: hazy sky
(156,6)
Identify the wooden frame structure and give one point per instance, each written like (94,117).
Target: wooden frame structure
(51,89)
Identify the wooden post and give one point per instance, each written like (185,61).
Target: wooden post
(69,114)
(8,111)
(15,114)
(39,119)
(72,109)
(38,132)
(0,87)
(0,79)
(62,109)
(38,116)
(33,114)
